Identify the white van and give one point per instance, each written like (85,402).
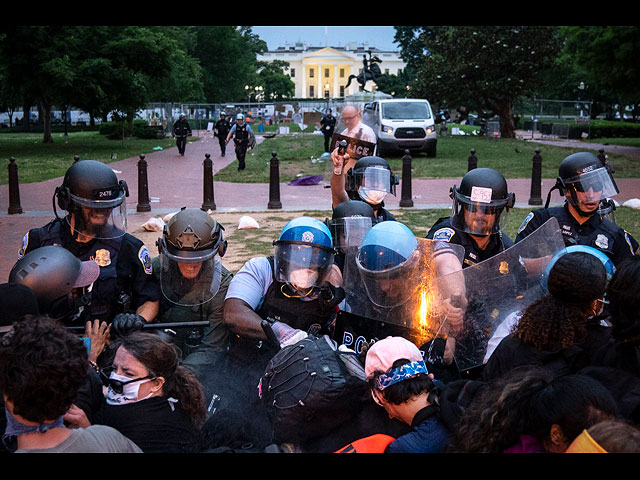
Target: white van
(402,124)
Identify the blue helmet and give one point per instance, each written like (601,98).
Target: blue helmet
(606,261)
(386,245)
(306,230)
(304,253)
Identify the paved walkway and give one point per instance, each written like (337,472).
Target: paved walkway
(176,181)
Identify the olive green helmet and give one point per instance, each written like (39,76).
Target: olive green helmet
(191,234)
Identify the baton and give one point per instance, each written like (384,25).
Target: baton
(203,323)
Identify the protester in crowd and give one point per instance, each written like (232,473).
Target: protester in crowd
(151,398)
(400,383)
(42,367)
(553,331)
(584,181)
(609,436)
(530,410)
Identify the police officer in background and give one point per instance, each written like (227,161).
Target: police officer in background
(480,208)
(194,284)
(242,134)
(95,229)
(221,130)
(328,125)
(181,130)
(369,180)
(584,182)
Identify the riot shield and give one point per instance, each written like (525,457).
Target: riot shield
(487,293)
(500,287)
(411,299)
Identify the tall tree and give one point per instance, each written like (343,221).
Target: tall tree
(489,66)
(276,83)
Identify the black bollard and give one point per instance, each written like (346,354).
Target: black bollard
(536,180)
(208,202)
(14,188)
(405,199)
(472,162)
(76,158)
(274,183)
(143,187)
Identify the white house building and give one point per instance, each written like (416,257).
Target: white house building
(323,72)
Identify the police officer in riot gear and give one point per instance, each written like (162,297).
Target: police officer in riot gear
(60,282)
(584,182)
(328,125)
(480,207)
(94,228)
(242,134)
(369,180)
(194,284)
(181,130)
(221,130)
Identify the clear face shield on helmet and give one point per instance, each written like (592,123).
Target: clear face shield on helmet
(375,184)
(590,186)
(302,266)
(348,231)
(478,214)
(103,219)
(189,277)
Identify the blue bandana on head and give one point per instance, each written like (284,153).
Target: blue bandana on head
(401,373)
(15,428)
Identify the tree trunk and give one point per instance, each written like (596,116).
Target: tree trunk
(45,118)
(507,129)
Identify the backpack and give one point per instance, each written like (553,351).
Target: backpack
(309,388)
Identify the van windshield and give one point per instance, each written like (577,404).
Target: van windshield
(405,111)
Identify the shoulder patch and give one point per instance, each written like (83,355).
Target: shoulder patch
(145,260)
(627,238)
(444,234)
(526,221)
(25,244)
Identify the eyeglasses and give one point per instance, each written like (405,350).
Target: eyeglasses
(117,385)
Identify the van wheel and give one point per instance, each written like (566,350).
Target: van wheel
(431,152)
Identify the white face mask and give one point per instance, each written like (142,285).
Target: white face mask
(129,391)
(373,197)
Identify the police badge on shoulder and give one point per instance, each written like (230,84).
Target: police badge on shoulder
(145,260)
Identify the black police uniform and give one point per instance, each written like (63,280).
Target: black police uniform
(125,280)
(596,232)
(222,128)
(241,140)
(181,130)
(328,125)
(442,230)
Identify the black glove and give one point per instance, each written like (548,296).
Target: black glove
(125,323)
(329,297)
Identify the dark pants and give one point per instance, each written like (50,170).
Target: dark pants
(223,144)
(241,152)
(327,140)
(181,143)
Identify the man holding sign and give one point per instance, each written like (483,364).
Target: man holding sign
(480,208)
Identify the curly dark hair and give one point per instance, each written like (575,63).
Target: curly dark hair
(624,298)
(42,366)
(400,392)
(559,319)
(162,359)
(528,401)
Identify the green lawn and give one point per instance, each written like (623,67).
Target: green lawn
(299,155)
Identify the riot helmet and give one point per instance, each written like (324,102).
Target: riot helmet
(481,203)
(190,249)
(95,200)
(388,254)
(584,181)
(372,178)
(349,222)
(60,281)
(303,255)
(240,117)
